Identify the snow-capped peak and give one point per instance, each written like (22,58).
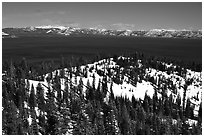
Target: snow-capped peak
(160,30)
(50,26)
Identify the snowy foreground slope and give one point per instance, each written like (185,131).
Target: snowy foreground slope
(153,80)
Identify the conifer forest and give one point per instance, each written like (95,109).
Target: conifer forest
(74,97)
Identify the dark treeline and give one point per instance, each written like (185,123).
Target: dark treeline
(73,111)
(76,61)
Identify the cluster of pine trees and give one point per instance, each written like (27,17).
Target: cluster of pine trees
(29,110)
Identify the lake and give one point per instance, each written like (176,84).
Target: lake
(47,48)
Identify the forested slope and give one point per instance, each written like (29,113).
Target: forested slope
(114,95)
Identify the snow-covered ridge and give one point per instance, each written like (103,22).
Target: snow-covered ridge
(98,71)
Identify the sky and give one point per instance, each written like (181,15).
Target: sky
(109,15)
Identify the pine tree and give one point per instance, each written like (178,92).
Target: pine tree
(200,113)
(155,102)
(160,107)
(178,101)
(93,82)
(83,124)
(24,66)
(111,91)
(52,124)
(99,92)
(65,125)
(24,120)
(40,97)
(89,111)
(62,73)
(80,86)
(155,124)
(89,92)
(104,87)
(66,92)
(34,126)
(170,104)
(11,71)
(146,103)
(32,98)
(19,99)
(52,114)
(184,96)
(50,101)
(42,123)
(124,122)
(57,87)
(27,89)
(187,108)
(20,128)
(98,119)
(166,107)
(10,119)
(110,117)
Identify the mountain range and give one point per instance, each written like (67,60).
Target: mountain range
(63,31)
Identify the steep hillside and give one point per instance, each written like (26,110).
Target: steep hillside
(118,95)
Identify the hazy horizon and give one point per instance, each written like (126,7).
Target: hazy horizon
(126,15)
